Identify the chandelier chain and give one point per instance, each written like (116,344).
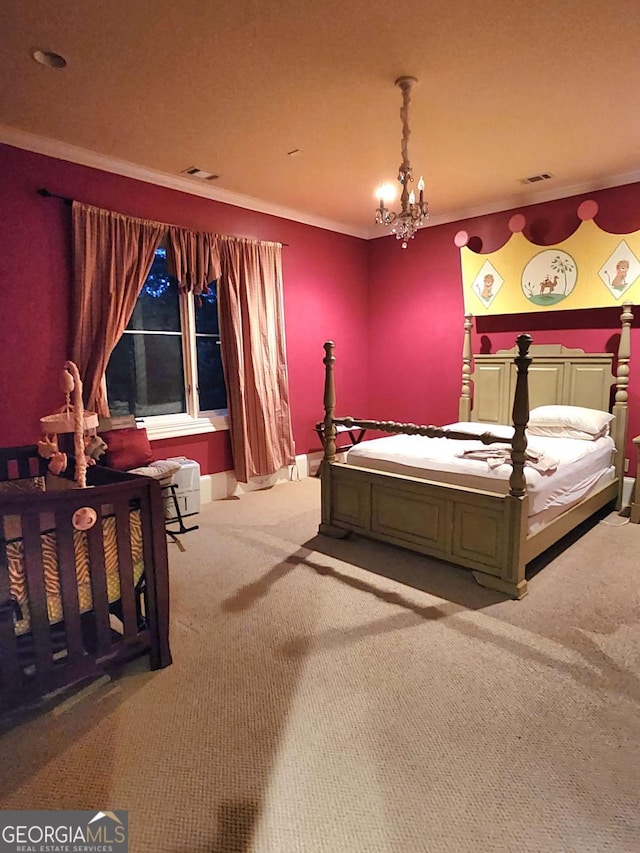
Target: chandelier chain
(405,167)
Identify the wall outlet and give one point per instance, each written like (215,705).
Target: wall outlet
(626,466)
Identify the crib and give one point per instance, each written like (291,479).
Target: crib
(74,603)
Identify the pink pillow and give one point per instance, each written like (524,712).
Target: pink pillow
(126,448)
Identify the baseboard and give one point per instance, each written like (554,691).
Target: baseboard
(314,459)
(217,487)
(313,462)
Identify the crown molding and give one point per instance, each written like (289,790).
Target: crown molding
(82,156)
(521,201)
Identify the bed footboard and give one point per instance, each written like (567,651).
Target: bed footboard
(74,602)
(478,530)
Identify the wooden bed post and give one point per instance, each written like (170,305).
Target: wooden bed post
(464,406)
(326,469)
(621,405)
(329,403)
(520,417)
(512,580)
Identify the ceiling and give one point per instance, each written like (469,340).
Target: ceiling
(507,90)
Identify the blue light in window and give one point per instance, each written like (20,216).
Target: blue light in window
(158,282)
(209,295)
(156,285)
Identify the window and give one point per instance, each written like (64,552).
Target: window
(167,367)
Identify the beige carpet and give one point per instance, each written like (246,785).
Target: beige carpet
(316,707)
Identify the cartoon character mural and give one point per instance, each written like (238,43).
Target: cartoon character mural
(591,268)
(620,279)
(548,284)
(549,277)
(487,286)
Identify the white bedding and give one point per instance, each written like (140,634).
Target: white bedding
(581,465)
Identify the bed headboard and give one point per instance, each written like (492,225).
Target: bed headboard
(557,375)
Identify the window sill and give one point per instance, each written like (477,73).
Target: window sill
(175,426)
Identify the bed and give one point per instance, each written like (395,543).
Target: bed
(76,601)
(493,522)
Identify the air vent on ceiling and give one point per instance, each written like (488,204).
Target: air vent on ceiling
(200,174)
(534,179)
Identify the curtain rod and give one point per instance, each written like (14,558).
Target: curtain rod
(46,194)
(69,201)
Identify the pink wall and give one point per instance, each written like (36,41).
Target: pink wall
(325,287)
(416,309)
(396,316)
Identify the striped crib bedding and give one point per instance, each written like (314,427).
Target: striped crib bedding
(18,577)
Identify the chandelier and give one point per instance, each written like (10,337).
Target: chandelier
(414,213)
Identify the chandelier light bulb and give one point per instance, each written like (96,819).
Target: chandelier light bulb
(386,192)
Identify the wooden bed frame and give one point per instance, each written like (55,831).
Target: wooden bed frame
(54,656)
(479,530)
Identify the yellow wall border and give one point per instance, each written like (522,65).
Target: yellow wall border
(590,269)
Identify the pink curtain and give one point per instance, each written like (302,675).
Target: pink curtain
(112,256)
(252,337)
(194,259)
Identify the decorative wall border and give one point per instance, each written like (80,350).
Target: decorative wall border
(592,268)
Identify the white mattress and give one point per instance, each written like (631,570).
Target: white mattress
(581,465)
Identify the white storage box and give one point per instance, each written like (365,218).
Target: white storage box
(187,483)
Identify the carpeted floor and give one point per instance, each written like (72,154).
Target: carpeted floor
(317,707)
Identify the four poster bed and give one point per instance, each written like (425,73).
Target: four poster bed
(494,490)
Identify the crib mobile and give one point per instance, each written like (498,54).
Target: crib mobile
(88,446)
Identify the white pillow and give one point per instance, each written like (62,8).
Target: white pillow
(478,428)
(569,422)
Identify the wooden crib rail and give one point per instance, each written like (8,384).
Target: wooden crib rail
(18,463)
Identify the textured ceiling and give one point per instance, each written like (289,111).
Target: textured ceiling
(507,89)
